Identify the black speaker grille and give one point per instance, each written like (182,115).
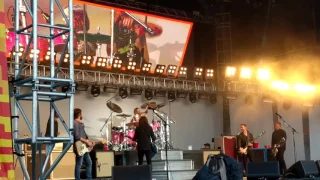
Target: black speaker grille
(131,173)
(303,169)
(263,169)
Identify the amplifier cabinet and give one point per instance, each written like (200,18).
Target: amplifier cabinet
(65,168)
(103,161)
(227,144)
(29,164)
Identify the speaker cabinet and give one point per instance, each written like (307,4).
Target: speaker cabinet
(269,170)
(258,155)
(227,144)
(104,161)
(65,168)
(303,169)
(29,165)
(206,153)
(131,172)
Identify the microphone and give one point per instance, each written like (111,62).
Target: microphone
(278,115)
(44,15)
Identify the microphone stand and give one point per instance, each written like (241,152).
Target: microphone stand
(293,132)
(166,141)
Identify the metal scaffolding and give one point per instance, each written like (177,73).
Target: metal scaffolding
(33,83)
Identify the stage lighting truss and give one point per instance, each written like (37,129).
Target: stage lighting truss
(48,55)
(34,53)
(209,74)
(146,68)
(182,73)
(86,60)
(159,70)
(66,58)
(245,73)
(131,66)
(20,52)
(101,62)
(171,70)
(230,72)
(198,73)
(117,63)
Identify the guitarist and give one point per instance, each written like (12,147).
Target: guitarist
(80,135)
(244,141)
(142,136)
(277,135)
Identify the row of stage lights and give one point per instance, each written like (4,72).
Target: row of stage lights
(172,71)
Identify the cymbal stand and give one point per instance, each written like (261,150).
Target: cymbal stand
(99,44)
(107,128)
(124,143)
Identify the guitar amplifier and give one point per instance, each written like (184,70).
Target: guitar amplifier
(103,161)
(227,144)
(65,168)
(29,165)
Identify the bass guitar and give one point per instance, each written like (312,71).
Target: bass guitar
(83,148)
(245,150)
(276,146)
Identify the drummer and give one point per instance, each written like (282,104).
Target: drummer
(137,115)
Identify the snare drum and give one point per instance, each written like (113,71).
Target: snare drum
(117,137)
(60,41)
(130,133)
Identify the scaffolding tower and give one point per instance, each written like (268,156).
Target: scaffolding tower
(223,43)
(41,92)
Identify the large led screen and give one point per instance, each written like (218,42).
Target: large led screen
(150,38)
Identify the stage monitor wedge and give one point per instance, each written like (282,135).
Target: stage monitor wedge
(269,170)
(131,172)
(302,169)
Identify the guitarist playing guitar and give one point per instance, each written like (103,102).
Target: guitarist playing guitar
(244,140)
(277,137)
(80,135)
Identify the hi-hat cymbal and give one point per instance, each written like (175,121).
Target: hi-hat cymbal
(113,107)
(124,115)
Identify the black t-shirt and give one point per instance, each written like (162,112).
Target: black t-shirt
(48,130)
(243,140)
(277,135)
(143,136)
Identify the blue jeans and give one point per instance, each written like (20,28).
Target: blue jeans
(87,160)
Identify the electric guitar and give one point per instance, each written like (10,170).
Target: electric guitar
(245,150)
(276,146)
(83,148)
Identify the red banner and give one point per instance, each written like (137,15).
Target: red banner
(6,157)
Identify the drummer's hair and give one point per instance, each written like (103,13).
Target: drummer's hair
(135,110)
(76,113)
(143,121)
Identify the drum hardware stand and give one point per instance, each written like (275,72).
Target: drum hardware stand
(130,54)
(293,132)
(23,11)
(98,43)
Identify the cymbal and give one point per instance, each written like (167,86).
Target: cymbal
(113,107)
(105,39)
(124,115)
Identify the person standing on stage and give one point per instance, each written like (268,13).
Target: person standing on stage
(80,135)
(55,129)
(277,135)
(143,136)
(244,141)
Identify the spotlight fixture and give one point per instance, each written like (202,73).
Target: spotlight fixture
(159,69)
(171,96)
(263,74)
(148,94)
(101,62)
(123,92)
(20,52)
(160,93)
(66,58)
(131,66)
(86,60)
(248,100)
(33,53)
(110,88)
(192,97)
(82,86)
(182,73)
(287,104)
(136,91)
(245,73)
(146,67)
(197,74)
(182,94)
(209,74)
(230,72)
(117,63)
(171,70)
(47,56)
(213,98)
(95,90)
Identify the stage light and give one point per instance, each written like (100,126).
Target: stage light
(136,91)
(245,73)
(304,89)
(47,56)
(263,74)
(159,69)
(182,73)
(280,85)
(86,60)
(209,74)
(95,90)
(117,63)
(192,97)
(20,52)
(131,66)
(82,86)
(171,70)
(34,53)
(171,96)
(230,72)
(101,62)
(148,94)
(182,94)
(66,58)
(287,104)
(213,98)
(197,74)
(146,67)
(160,93)
(248,100)
(202,95)
(110,88)
(123,92)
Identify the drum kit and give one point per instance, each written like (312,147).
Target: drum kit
(122,136)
